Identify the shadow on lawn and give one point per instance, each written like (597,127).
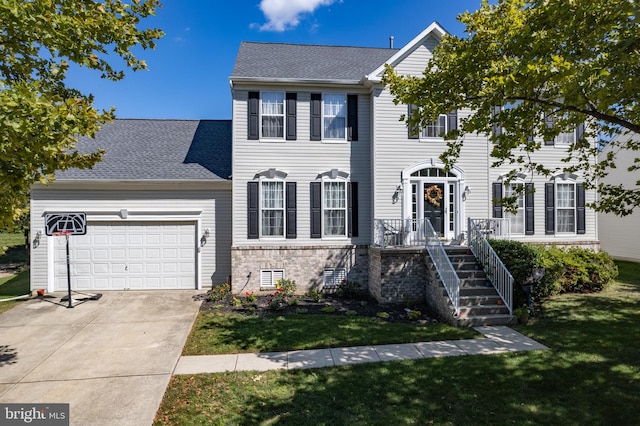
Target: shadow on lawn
(591,375)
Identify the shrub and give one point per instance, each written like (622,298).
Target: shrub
(220,292)
(348,289)
(576,270)
(566,270)
(314,295)
(383,315)
(328,309)
(520,259)
(288,286)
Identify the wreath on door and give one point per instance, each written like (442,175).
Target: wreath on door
(433,194)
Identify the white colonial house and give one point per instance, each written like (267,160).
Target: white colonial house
(324,168)
(620,236)
(317,180)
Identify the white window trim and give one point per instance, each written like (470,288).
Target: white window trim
(346,210)
(336,274)
(284,208)
(557,208)
(276,275)
(324,138)
(284,117)
(446,129)
(521,210)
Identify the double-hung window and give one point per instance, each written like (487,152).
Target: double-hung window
(565,203)
(272,116)
(272,113)
(516,219)
(565,207)
(334,116)
(334,209)
(435,128)
(272,208)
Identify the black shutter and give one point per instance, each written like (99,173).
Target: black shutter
(497,199)
(291,210)
(529,217)
(548,124)
(252,210)
(316,209)
(414,133)
(496,128)
(549,208)
(581,227)
(352,117)
(452,118)
(352,209)
(253,130)
(316,117)
(291,119)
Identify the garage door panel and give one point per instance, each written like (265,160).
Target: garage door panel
(118,255)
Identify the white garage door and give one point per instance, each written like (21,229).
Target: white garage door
(131,255)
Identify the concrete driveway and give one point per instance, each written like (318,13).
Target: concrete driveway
(110,359)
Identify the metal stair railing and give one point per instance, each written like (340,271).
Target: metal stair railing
(445,269)
(496,272)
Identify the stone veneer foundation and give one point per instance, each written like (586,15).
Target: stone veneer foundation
(305,265)
(398,275)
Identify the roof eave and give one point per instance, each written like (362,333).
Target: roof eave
(293,81)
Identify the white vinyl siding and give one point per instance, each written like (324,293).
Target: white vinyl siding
(208,205)
(303,160)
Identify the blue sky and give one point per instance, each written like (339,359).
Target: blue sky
(188,76)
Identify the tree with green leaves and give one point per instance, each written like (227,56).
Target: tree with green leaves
(536,69)
(41,117)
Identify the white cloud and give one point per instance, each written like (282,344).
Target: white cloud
(285,14)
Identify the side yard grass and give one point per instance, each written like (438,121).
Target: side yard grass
(591,375)
(12,251)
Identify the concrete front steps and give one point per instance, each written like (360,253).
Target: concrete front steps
(480,304)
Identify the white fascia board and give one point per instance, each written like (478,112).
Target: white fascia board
(433,29)
(290,81)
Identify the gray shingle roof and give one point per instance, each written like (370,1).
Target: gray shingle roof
(307,62)
(142,150)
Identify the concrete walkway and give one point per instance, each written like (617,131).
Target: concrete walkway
(109,359)
(498,339)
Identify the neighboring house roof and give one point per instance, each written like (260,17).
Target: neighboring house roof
(304,62)
(159,150)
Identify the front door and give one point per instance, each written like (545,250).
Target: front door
(434,203)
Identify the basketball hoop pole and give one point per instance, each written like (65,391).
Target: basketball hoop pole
(70,305)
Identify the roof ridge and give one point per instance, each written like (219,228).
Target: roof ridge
(318,45)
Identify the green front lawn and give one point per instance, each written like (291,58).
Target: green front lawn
(591,375)
(219,333)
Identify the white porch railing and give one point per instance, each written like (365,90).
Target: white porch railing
(494,228)
(400,232)
(443,265)
(496,272)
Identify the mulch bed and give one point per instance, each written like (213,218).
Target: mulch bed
(363,306)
